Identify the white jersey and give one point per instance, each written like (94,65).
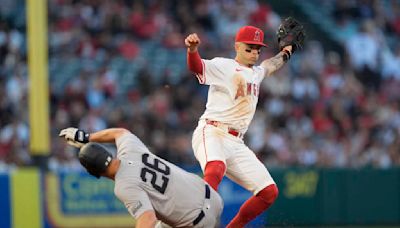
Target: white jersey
(233,92)
(146,182)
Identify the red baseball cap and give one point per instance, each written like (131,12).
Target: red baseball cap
(250,35)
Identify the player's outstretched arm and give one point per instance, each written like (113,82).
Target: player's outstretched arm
(291,35)
(275,63)
(108,135)
(77,137)
(194,63)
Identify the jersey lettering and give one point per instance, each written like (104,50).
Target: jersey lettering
(154,170)
(240,91)
(249,88)
(252,89)
(255,90)
(158,165)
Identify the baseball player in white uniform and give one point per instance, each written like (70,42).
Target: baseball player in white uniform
(232,99)
(151,188)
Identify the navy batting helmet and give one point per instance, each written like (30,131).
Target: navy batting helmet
(95,158)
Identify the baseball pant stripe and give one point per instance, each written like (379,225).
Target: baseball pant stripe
(204,143)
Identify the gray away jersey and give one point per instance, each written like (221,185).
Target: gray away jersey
(146,182)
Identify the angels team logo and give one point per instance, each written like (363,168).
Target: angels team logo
(257,35)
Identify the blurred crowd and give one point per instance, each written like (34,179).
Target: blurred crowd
(324,109)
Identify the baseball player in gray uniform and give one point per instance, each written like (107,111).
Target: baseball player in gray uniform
(151,188)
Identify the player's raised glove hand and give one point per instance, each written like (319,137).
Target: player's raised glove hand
(192,41)
(74,136)
(291,32)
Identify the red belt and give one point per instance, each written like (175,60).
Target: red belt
(230,130)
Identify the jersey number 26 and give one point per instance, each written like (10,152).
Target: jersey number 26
(155,169)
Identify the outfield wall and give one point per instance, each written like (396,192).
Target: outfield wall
(29,198)
(337,196)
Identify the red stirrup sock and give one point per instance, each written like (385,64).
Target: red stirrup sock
(254,206)
(213,173)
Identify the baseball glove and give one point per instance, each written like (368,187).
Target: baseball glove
(291,32)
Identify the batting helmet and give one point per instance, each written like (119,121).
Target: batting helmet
(250,35)
(95,158)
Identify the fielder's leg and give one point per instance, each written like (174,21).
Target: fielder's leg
(214,172)
(254,206)
(209,151)
(245,169)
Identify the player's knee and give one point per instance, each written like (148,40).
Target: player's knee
(216,169)
(269,193)
(213,173)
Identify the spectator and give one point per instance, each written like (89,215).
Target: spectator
(365,63)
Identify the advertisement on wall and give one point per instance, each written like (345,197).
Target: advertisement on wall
(79,200)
